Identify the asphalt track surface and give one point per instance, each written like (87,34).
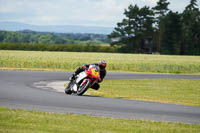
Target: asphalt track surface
(17,91)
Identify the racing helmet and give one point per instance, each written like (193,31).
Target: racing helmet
(102,64)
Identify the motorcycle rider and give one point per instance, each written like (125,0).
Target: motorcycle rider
(102,65)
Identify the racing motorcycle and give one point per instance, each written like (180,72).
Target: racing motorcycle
(83,81)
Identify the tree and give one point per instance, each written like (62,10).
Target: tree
(172,34)
(2,35)
(161,9)
(192,5)
(134,28)
(191,29)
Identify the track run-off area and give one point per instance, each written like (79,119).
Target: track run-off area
(18,90)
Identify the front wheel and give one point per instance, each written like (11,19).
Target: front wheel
(82,89)
(68,88)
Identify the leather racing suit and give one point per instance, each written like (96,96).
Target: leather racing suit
(103,72)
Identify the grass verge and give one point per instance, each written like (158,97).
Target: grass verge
(176,91)
(20,121)
(116,62)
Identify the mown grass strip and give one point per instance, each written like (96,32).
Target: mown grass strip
(175,91)
(20,121)
(116,62)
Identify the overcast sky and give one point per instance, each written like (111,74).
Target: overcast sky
(74,12)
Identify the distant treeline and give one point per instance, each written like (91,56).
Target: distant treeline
(56,47)
(27,36)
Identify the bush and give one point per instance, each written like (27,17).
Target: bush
(58,47)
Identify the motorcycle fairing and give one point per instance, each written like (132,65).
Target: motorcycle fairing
(84,81)
(81,76)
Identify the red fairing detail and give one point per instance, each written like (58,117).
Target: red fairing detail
(87,72)
(85,80)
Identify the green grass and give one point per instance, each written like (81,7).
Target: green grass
(116,62)
(161,90)
(176,91)
(20,121)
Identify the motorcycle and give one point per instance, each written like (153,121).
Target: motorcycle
(83,81)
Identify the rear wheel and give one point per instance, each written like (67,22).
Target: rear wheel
(82,89)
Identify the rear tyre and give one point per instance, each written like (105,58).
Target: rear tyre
(82,89)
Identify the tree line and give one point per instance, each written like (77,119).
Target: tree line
(28,36)
(45,41)
(158,29)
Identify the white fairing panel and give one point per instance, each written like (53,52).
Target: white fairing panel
(74,87)
(81,76)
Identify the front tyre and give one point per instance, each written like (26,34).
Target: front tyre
(68,89)
(82,89)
